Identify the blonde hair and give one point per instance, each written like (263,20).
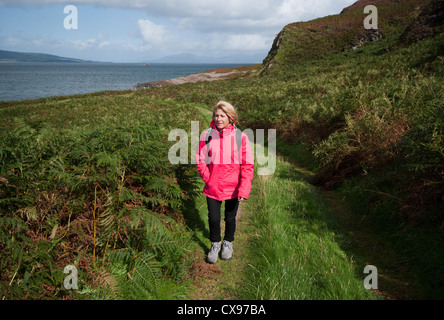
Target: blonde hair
(228,109)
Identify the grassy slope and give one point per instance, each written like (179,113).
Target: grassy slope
(85,180)
(312,40)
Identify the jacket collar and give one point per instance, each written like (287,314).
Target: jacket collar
(227,130)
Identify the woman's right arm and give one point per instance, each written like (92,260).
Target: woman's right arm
(201,159)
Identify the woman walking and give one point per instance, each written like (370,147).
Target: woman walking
(225,163)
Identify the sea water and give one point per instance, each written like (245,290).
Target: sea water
(19,81)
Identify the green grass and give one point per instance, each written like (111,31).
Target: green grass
(297,249)
(86,181)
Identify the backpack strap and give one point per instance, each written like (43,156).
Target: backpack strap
(209,136)
(238,140)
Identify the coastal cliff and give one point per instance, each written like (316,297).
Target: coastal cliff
(315,39)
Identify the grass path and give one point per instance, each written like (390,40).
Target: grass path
(221,280)
(367,244)
(218,281)
(289,245)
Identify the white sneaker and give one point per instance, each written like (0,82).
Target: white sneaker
(214,252)
(227,250)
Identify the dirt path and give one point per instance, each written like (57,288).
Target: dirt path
(220,281)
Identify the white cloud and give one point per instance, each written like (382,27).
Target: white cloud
(152,33)
(248,42)
(11,42)
(245,12)
(263,17)
(98,43)
(169,8)
(239,42)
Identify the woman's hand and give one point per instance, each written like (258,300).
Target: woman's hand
(240,199)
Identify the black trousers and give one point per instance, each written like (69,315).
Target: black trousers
(214,218)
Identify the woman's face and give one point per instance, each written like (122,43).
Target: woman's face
(221,119)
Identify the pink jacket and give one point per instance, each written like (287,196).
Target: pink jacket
(226,176)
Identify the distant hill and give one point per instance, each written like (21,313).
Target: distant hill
(12,56)
(191,58)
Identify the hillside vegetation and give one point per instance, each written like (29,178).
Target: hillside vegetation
(85,179)
(373,109)
(377,109)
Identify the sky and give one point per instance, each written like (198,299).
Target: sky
(146,30)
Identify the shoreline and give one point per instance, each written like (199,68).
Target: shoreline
(209,75)
(222,73)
